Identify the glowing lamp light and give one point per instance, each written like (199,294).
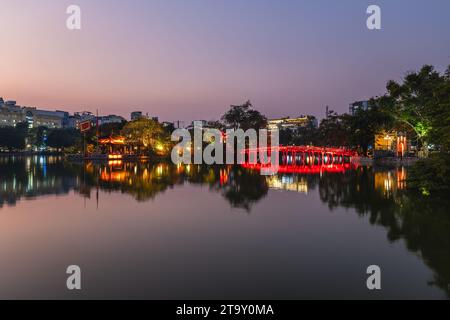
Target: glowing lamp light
(113,163)
(115,156)
(159,147)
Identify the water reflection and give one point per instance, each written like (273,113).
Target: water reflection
(144,181)
(33,177)
(289,183)
(381,195)
(423,223)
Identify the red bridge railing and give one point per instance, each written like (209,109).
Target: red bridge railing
(304,159)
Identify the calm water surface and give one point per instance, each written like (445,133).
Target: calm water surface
(161,232)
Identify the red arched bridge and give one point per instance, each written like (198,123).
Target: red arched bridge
(304,159)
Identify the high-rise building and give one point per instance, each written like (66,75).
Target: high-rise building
(359,105)
(136,115)
(110,119)
(10,115)
(292,123)
(10,103)
(44,118)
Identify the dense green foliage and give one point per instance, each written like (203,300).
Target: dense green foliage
(63,138)
(422,103)
(13,138)
(244,117)
(431,175)
(147,136)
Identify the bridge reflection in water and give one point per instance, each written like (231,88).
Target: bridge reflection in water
(296,162)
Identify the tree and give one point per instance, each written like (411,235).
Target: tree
(306,136)
(440,114)
(216,125)
(38,137)
(421,102)
(244,117)
(147,135)
(334,131)
(431,175)
(13,138)
(110,129)
(20,135)
(286,137)
(62,138)
(364,124)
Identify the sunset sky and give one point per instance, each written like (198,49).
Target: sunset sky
(191,59)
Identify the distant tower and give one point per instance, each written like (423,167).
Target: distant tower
(136,115)
(327,112)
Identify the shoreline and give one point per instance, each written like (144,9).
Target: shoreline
(387,162)
(364,161)
(29,154)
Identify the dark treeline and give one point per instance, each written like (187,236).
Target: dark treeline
(13,138)
(21,137)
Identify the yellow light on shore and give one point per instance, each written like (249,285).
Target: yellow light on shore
(114,156)
(159,147)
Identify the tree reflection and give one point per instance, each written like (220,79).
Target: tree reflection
(240,187)
(30,177)
(422,222)
(381,195)
(244,188)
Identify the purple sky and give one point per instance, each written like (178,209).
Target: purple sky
(191,59)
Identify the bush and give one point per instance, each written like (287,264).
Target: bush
(12,138)
(431,175)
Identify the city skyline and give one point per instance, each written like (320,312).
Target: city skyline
(13,108)
(186,62)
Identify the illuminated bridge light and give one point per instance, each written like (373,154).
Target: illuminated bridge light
(307,159)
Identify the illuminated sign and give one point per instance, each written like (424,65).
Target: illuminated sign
(85,126)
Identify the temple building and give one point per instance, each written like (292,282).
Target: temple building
(391,144)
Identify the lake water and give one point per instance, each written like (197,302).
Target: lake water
(189,232)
